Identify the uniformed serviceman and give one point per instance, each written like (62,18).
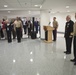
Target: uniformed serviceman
(74,43)
(8,30)
(68,34)
(55,26)
(18,28)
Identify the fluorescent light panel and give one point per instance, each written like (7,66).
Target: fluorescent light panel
(5,5)
(36,5)
(67,6)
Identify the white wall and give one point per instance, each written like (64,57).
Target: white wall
(61,18)
(44,20)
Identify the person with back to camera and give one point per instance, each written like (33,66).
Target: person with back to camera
(67,35)
(18,28)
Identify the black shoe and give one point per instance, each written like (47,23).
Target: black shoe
(65,51)
(9,41)
(54,40)
(25,32)
(19,41)
(72,60)
(68,53)
(75,63)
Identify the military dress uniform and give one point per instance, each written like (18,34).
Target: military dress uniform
(68,36)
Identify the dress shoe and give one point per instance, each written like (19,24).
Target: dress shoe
(65,51)
(68,53)
(54,40)
(72,60)
(19,41)
(9,41)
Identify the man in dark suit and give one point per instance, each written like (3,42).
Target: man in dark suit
(68,34)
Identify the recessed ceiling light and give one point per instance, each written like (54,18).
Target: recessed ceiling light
(29,11)
(8,11)
(5,5)
(36,5)
(67,6)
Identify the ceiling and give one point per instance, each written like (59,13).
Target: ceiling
(50,5)
(21,4)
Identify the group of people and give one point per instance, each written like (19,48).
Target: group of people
(70,34)
(15,27)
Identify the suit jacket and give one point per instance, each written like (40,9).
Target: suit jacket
(68,29)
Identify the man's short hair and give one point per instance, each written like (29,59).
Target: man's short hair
(69,16)
(54,17)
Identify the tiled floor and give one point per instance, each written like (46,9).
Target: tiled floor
(34,57)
